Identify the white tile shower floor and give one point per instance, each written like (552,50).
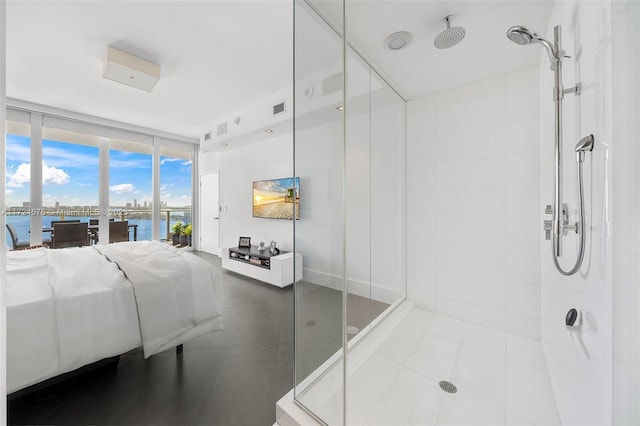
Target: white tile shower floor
(501,378)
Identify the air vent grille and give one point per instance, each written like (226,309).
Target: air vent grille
(222,129)
(278,108)
(207,136)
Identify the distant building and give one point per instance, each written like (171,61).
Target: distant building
(135,203)
(57,204)
(128,205)
(145,204)
(26,204)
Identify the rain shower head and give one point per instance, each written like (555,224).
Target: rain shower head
(449,37)
(522,35)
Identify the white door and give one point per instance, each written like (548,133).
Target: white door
(209,213)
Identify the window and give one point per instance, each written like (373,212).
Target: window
(175,188)
(18,179)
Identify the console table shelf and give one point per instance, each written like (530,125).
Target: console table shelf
(262,265)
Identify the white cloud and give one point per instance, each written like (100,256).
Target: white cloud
(122,188)
(186,163)
(168,160)
(9,191)
(53,176)
(21,176)
(50,176)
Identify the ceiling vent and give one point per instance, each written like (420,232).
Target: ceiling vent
(207,136)
(130,70)
(278,108)
(222,129)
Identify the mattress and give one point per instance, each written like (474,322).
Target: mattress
(71,307)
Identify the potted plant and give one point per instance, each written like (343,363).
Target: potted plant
(177,231)
(187,231)
(183,236)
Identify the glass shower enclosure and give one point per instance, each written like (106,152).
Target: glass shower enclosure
(349,152)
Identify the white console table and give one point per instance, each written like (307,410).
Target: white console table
(276,270)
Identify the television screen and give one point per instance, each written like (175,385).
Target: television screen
(275,198)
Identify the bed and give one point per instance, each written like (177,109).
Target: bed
(72,307)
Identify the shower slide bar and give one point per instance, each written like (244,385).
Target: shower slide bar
(559,226)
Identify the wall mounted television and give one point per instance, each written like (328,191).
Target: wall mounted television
(276,198)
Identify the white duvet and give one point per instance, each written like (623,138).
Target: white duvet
(71,307)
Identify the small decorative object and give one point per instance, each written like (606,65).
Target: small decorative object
(244,242)
(262,246)
(273,249)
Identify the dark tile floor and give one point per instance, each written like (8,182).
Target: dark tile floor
(232,377)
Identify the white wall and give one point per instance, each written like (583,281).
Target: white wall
(580,360)
(239,168)
(626,211)
(473,210)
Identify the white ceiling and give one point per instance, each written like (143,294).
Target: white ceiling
(219,56)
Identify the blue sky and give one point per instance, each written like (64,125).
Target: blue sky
(70,175)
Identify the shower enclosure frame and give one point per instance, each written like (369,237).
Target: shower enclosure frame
(346,345)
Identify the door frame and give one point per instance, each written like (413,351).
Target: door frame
(200,215)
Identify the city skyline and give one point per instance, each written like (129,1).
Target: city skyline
(70,176)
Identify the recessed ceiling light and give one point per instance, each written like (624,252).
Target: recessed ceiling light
(268,131)
(340,107)
(397,41)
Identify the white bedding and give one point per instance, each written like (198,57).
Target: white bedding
(71,307)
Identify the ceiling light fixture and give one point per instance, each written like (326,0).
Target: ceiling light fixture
(268,131)
(397,41)
(340,107)
(130,70)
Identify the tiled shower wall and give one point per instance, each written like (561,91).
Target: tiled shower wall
(473,209)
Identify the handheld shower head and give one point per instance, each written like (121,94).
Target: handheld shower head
(522,35)
(585,144)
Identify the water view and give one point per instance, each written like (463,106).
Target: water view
(22,224)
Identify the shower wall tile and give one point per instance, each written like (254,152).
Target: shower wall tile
(478,142)
(523,201)
(420,174)
(523,135)
(421,227)
(471,171)
(524,233)
(483,208)
(470,113)
(524,326)
(421,253)
(523,169)
(421,119)
(421,149)
(479,201)
(424,276)
(472,289)
(523,266)
(523,299)
(479,89)
(522,103)
(486,263)
(422,199)
(476,231)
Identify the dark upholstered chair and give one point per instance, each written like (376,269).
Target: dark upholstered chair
(74,234)
(118,231)
(17,245)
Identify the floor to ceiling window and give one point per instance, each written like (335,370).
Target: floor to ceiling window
(175,189)
(130,185)
(18,179)
(89,170)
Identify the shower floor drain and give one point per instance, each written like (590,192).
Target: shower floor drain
(448,387)
(352,329)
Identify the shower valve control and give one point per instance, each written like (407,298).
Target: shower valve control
(548,226)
